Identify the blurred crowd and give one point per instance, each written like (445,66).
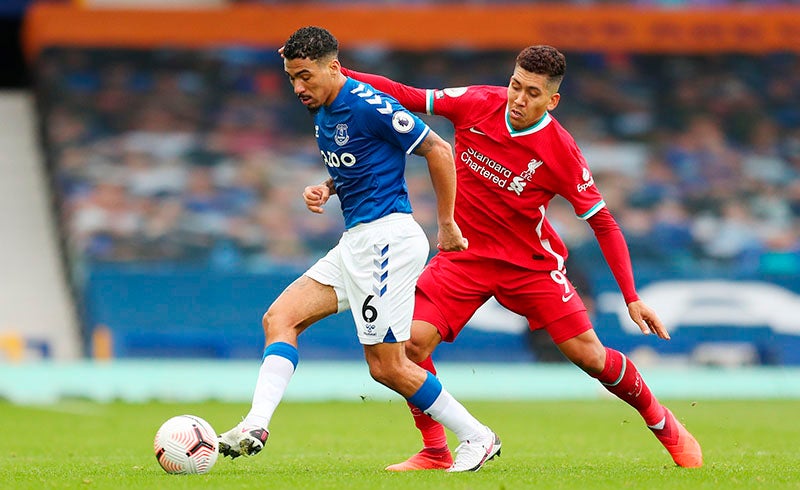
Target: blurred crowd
(201,156)
(656,3)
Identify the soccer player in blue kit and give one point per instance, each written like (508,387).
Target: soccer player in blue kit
(363,137)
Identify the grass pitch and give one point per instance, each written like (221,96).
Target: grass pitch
(561,445)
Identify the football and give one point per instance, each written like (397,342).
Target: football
(186,444)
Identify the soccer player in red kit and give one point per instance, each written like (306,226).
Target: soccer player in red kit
(512,157)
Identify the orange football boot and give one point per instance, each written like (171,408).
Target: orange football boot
(682,446)
(426,459)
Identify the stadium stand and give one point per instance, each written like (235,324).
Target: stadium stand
(195,156)
(37,319)
(178,171)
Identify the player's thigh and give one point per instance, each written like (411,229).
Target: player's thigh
(380,267)
(540,296)
(449,291)
(302,303)
(328,271)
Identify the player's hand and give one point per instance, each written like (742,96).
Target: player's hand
(315,196)
(450,238)
(646,318)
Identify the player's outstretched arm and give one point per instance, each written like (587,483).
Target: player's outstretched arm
(411,97)
(441,166)
(615,251)
(315,196)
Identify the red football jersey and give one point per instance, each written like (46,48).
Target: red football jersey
(506,178)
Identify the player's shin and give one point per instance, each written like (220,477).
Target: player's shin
(434,400)
(620,377)
(433,435)
(280,361)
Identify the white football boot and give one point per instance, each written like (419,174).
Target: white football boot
(471,455)
(242,440)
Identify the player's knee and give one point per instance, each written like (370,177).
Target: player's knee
(417,353)
(590,358)
(274,323)
(266,321)
(424,339)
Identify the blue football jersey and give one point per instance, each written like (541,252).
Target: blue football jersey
(364,137)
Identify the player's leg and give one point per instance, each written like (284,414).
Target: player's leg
(389,366)
(302,303)
(549,299)
(450,283)
(435,455)
(380,272)
(619,375)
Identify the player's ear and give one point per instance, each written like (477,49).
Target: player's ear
(554,99)
(335,67)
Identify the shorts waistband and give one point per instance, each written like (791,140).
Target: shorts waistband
(380,222)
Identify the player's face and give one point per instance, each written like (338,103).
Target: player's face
(314,81)
(529,96)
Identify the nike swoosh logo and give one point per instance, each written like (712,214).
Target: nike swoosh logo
(567,298)
(473,130)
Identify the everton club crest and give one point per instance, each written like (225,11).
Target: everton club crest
(341,137)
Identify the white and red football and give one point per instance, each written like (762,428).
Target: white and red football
(186,444)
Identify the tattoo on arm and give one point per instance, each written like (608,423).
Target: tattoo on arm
(329,184)
(426,145)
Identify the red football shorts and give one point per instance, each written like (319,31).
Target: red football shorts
(454,285)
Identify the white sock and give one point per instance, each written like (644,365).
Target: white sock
(449,412)
(273,377)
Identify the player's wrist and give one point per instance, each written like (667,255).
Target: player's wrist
(631,299)
(331,188)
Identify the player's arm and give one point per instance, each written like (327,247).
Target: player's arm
(414,99)
(615,251)
(315,196)
(442,168)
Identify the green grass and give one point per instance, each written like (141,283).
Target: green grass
(563,445)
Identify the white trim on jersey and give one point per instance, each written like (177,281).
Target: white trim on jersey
(419,140)
(592,211)
(537,126)
(546,243)
(429,96)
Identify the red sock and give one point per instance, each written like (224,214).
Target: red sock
(433,435)
(621,378)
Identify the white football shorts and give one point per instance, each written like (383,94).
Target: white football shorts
(374,270)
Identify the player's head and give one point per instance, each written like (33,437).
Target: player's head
(310,59)
(533,88)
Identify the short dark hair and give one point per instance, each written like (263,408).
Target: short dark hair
(543,60)
(310,42)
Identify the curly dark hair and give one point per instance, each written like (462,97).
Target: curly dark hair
(543,60)
(310,42)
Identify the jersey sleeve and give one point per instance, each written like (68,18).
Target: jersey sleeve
(576,183)
(410,97)
(615,251)
(456,104)
(394,123)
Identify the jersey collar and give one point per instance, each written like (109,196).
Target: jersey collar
(538,125)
